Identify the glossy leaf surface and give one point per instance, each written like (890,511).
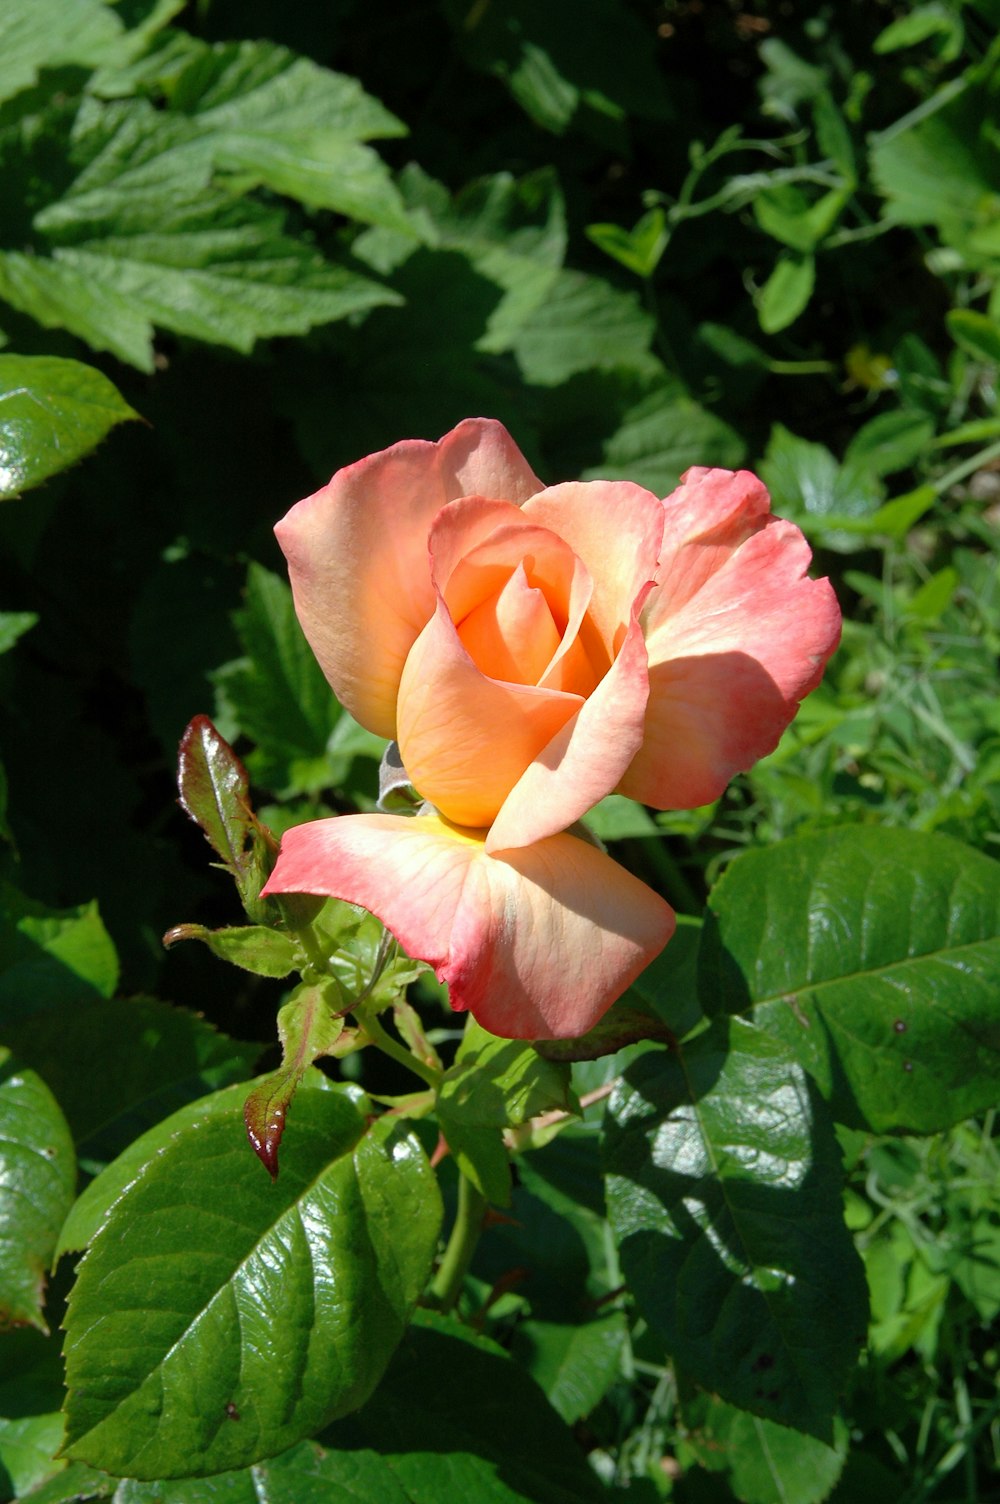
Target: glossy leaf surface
(724,1193)
(219,1317)
(872,955)
(38,1174)
(52,412)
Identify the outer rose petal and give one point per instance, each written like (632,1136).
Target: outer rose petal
(537,944)
(727,670)
(357,554)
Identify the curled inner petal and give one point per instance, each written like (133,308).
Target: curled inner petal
(512,635)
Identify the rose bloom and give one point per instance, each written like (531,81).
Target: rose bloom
(533,649)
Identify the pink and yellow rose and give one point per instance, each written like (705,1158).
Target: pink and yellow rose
(532,649)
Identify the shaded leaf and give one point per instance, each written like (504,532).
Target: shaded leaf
(786,292)
(115,1067)
(574,1365)
(724,1193)
(765,1463)
(660,436)
(51,955)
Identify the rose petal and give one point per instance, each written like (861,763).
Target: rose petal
(357,554)
(616,528)
(585,759)
(728,669)
(537,944)
(705,520)
(465,739)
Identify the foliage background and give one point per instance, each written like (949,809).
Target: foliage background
(644,235)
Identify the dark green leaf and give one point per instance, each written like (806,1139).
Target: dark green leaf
(116,1067)
(872,955)
(52,413)
(38,1174)
(279,697)
(219,1317)
(309,1025)
(503,1442)
(724,1192)
(574,1365)
(480,1155)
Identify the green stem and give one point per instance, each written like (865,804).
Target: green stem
(446,1285)
(397,1052)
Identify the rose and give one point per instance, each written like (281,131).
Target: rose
(532,650)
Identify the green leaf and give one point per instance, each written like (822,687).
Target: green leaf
(75,1484)
(219,1317)
(51,955)
(724,1193)
(502,1441)
(37,34)
(922,23)
(52,413)
(660,435)
(31,1395)
(889,442)
(309,1025)
(785,213)
(142,236)
(639,249)
(14,624)
(872,955)
(809,487)
(115,1067)
(511,231)
(481,1156)
(584,323)
(766,1463)
(278,696)
(500,1083)
(38,1174)
(574,1365)
(786,292)
(254,947)
(975,332)
(296,128)
(941,169)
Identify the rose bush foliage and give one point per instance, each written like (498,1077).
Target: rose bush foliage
(533,649)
